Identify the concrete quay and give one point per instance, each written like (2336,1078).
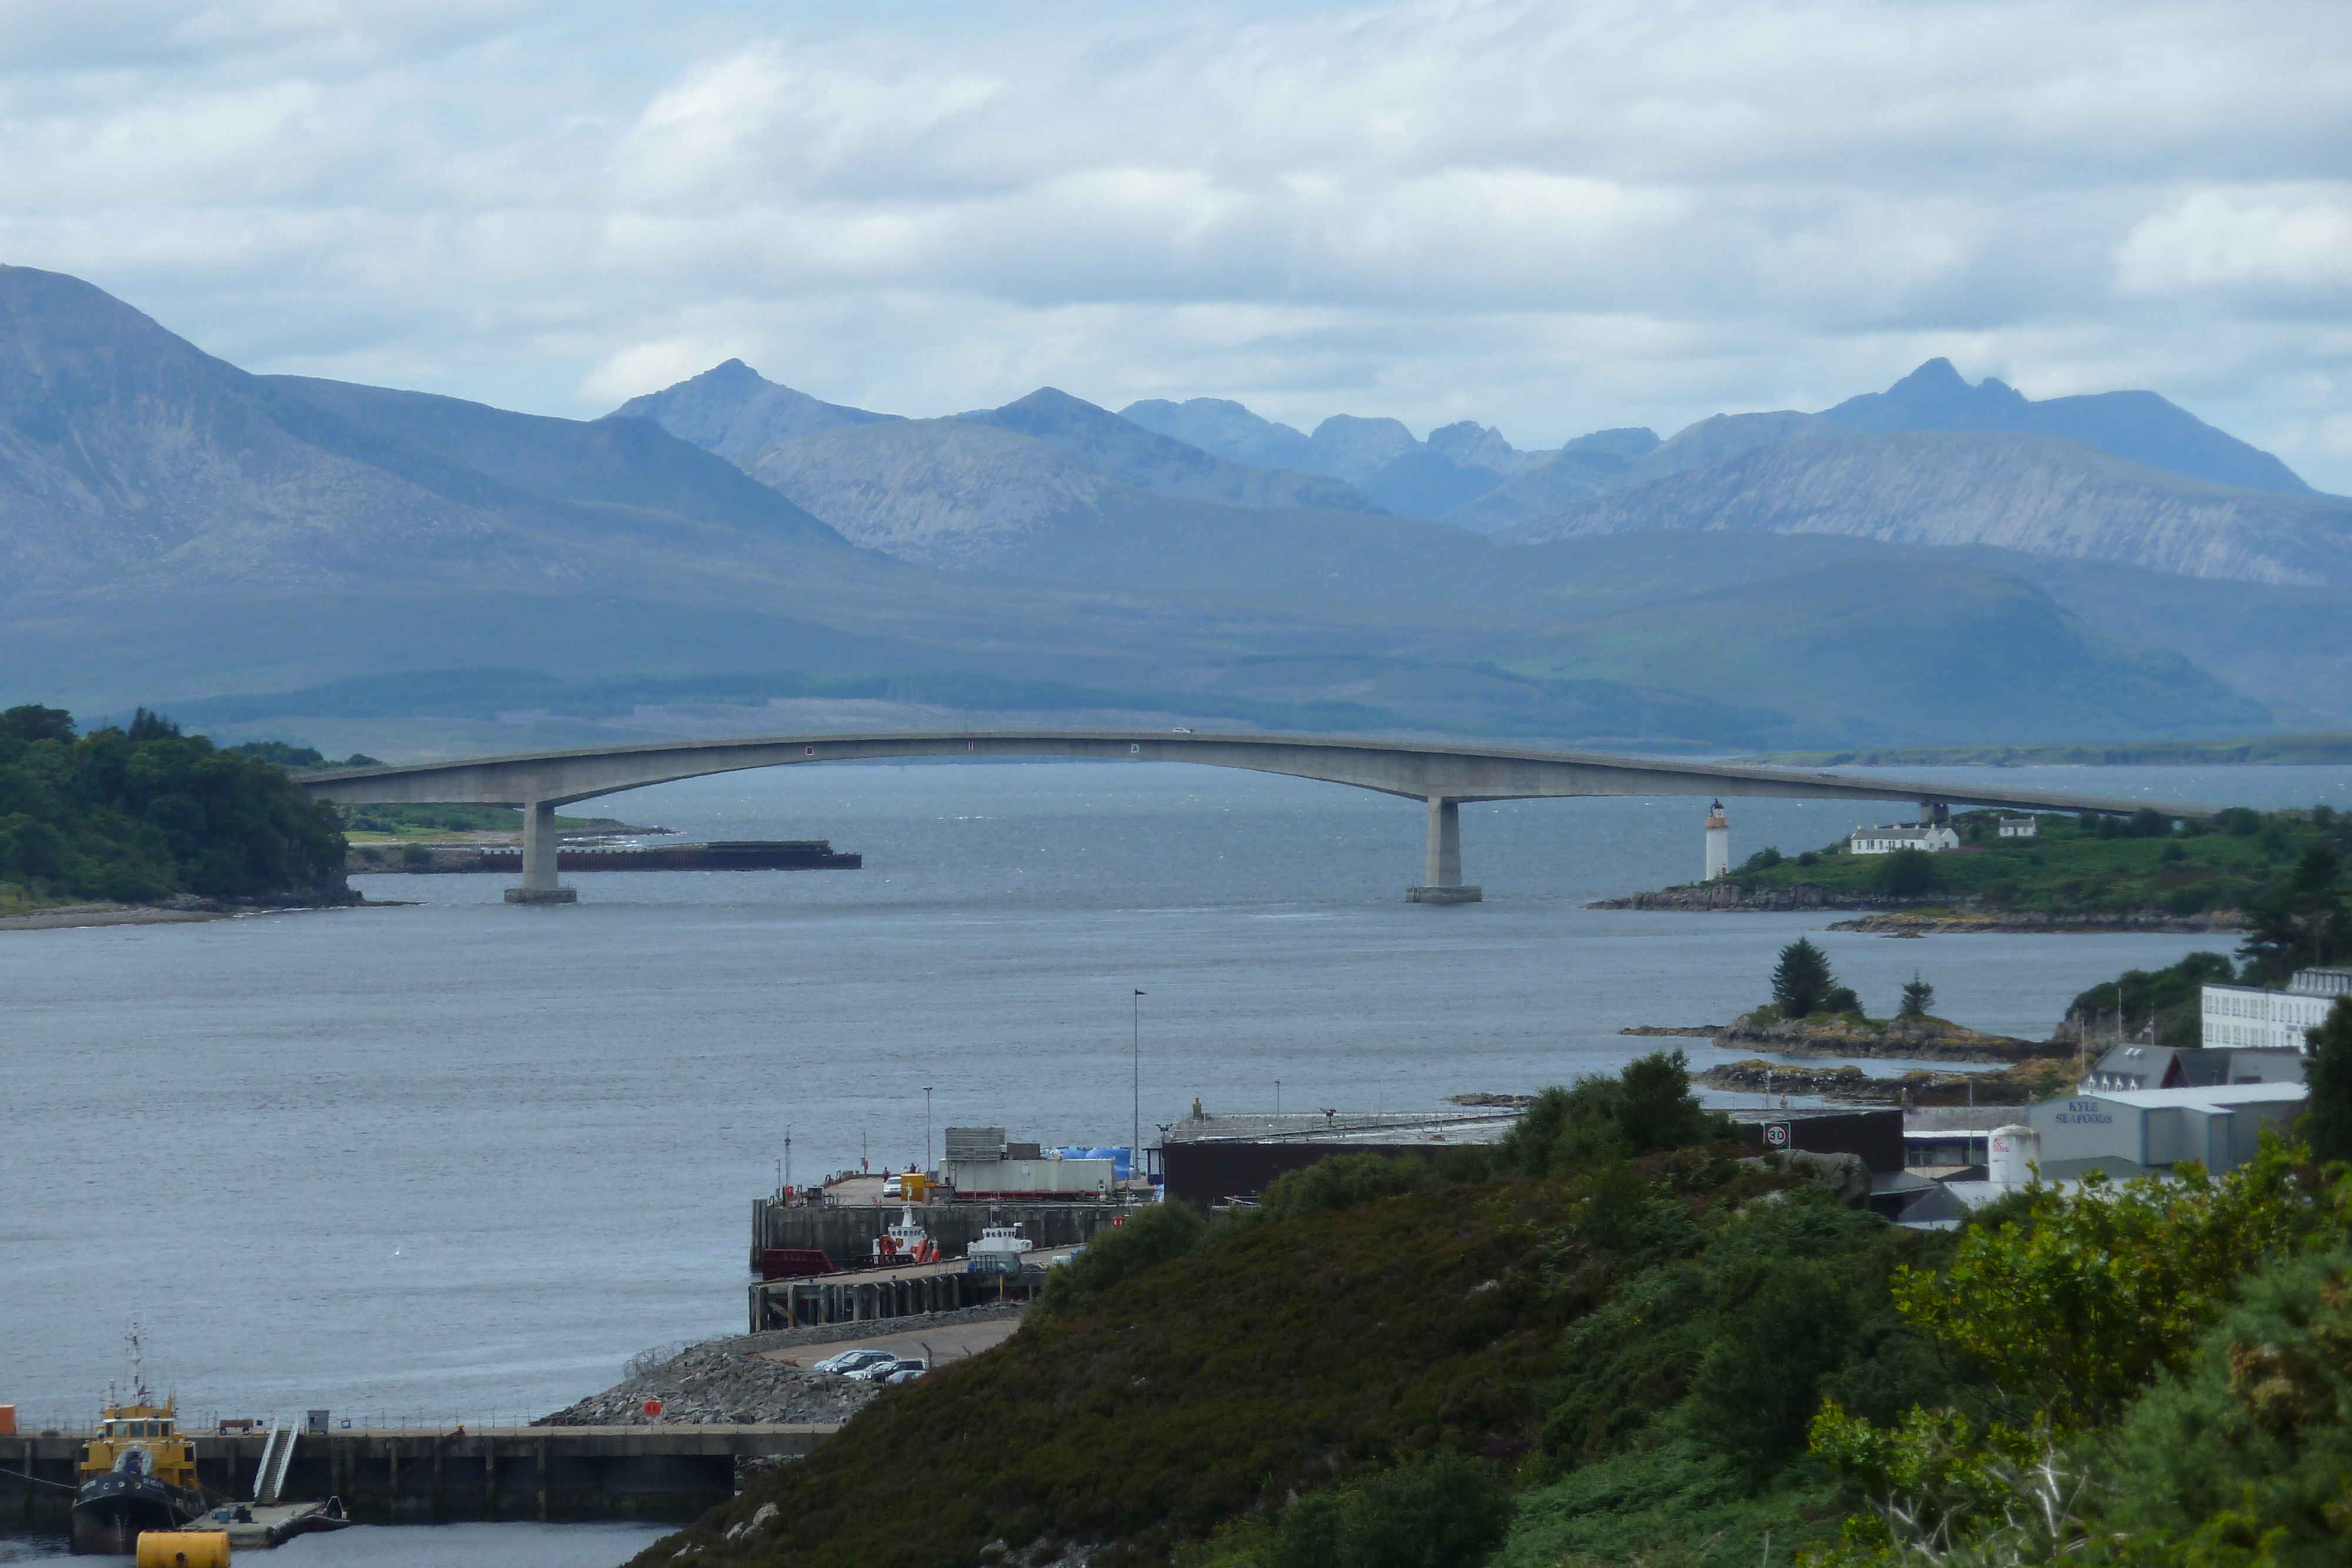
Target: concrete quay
(395,1475)
(916,1293)
(847,1232)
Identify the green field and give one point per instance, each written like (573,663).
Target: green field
(2075,864)
(421,822)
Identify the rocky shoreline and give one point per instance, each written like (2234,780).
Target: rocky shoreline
(1897,1039)
(1943,923)
(1890,917)
(1900,1040)
(719,1382)
(180,910)
(2021,1084)
(733,1379)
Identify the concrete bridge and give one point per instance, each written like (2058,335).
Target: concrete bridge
(1442,775)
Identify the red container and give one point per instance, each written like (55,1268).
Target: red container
(793,1262)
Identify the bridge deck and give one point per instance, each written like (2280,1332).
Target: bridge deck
(1441,775)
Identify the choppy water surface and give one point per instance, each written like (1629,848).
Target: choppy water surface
(464,1158)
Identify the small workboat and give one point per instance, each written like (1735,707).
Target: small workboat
(905,1242)
(139,1472)
(1000,1243)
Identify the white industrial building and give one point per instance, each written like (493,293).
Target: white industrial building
(2175,1067)
(2249,1015)
(2132,1132)
(1933,839)
(984,1165)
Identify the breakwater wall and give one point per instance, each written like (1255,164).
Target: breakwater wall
(413,1476)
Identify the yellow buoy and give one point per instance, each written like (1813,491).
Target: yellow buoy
(183,1549)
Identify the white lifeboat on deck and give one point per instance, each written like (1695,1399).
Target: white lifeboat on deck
(906,1242)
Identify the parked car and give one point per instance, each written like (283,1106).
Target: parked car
(849,1361)
(906,1375)
(893,1188)
(882,1369)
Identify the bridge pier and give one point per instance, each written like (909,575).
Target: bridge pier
(1442,878)
(539,843)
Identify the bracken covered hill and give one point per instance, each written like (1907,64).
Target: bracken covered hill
(1188,1394)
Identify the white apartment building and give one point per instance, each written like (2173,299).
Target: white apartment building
(1887,840)
(2239,1016)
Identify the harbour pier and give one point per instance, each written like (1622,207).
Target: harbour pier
(847,1232)
(416,1475)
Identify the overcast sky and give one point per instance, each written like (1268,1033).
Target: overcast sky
(1549,218)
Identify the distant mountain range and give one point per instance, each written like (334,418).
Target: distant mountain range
(1939,563)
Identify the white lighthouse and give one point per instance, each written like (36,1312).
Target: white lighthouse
(1718,844)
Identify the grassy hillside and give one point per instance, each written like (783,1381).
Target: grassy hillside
(2075,863)
(1284,1355)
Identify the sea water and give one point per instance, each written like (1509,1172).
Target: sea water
(461,1158)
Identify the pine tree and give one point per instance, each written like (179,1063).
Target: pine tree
(2328,1124)
(1918,996)
(1801,981)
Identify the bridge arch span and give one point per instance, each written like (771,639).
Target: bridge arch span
(1441,775)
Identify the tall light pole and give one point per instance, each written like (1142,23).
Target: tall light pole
(1135,1149)
(788,1157)
(927,1129)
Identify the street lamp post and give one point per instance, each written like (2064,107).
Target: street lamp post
(927,1129)
(1135,1148)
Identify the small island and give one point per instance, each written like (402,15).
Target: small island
(2043,872)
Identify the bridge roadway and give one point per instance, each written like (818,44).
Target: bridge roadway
(1443,776)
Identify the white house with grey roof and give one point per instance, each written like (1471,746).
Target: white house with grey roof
(1933,839)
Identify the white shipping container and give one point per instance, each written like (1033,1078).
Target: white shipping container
(984,1179)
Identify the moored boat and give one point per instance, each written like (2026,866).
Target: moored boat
(999,1248)
(137,1472)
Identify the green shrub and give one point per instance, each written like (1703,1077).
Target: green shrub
(1449,1512)
(1344,1181)
(2243,1456)
(1906,874)
(1648,1105)
(2327,1124)
(2079,1309)
(1153,1234)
